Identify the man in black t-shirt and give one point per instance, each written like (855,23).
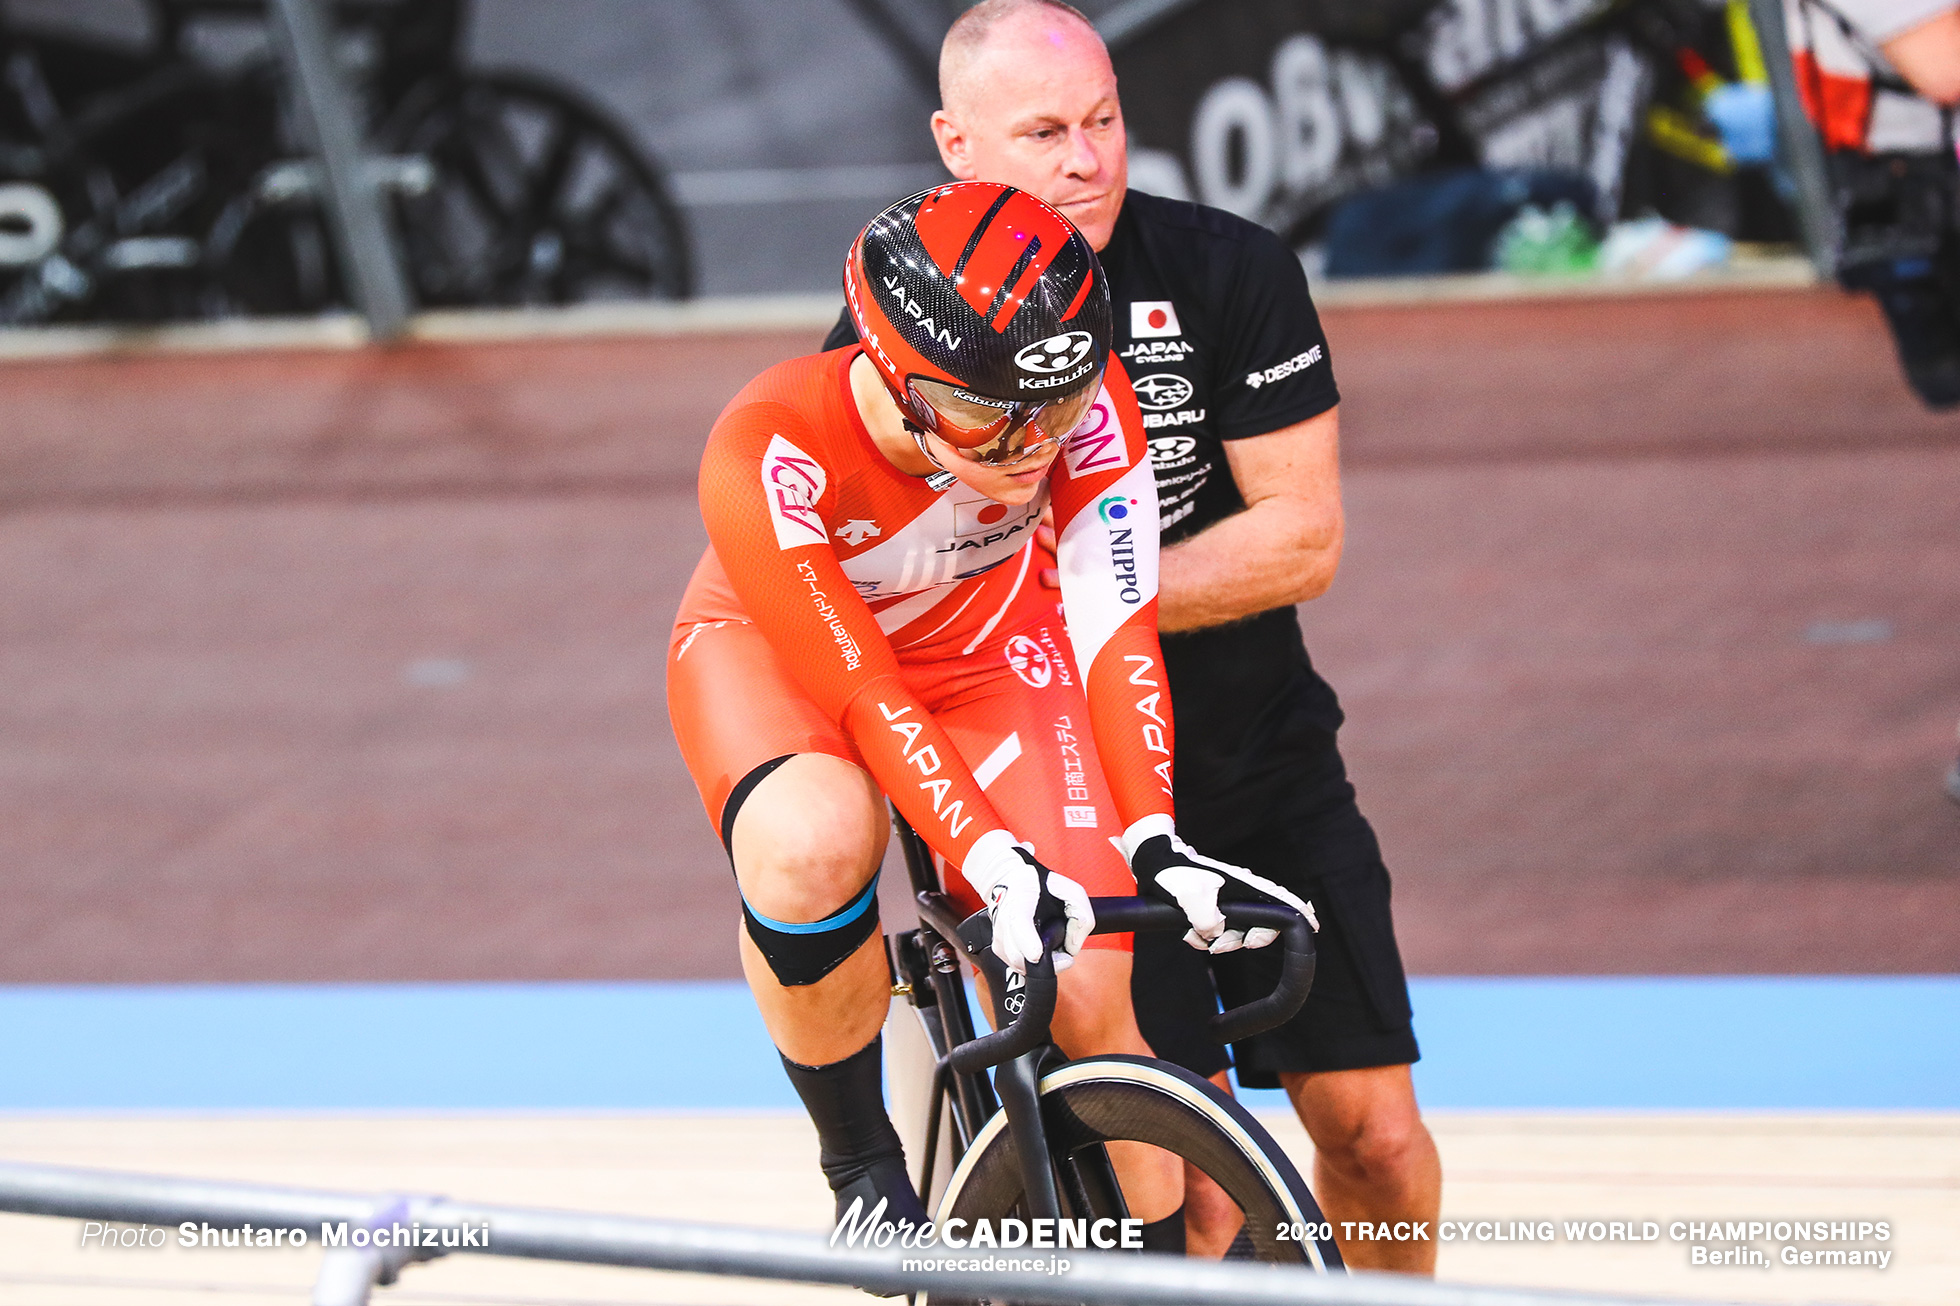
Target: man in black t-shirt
(1221,342)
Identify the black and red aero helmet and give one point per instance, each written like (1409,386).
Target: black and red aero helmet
(980,305)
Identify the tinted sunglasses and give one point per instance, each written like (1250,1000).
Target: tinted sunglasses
(1002,432)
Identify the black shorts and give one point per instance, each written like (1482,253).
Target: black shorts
(1322,847)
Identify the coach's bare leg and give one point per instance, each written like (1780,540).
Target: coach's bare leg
(809,837)
(1211,1218)
(1373,1160)
(1093,1017)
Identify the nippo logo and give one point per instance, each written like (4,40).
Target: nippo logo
(1115,508)
(1030,661)
(1055,354)
(1161,390)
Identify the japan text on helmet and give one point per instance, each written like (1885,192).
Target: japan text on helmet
(986,314)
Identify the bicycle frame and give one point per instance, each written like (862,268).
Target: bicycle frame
(926,968)
(926,962)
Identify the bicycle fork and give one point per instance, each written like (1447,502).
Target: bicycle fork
(1018,1082)
(1085,1173)
(927,962)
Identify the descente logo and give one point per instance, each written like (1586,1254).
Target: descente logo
(1280,371)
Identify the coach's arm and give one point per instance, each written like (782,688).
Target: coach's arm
(1282,549)
(1928,56)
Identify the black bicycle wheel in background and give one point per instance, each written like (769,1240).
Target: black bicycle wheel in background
(536,198)
(148,160)
(1099,1099)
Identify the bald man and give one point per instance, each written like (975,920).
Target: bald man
(1219,335)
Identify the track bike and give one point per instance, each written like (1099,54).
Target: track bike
(1029,1143)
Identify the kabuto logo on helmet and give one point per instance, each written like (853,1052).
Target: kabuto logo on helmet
(1055,354)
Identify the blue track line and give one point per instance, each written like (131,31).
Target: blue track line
(1700,1043)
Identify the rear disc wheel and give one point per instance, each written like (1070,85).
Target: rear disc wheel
(1088,1103)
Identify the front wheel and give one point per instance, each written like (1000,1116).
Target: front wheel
(1087,1103)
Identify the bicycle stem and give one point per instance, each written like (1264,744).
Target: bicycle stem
(1018,1029)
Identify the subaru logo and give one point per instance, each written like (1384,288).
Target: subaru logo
(1055,354)
(1161,390)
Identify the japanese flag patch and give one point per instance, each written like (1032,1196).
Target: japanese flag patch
(1153,319)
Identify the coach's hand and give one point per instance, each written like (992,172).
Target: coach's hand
(1022,896)
(1167,869)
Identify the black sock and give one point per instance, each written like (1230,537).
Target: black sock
(861,1155)
(1165,1235)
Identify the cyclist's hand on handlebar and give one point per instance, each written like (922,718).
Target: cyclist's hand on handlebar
(1022,896)
(1167,869)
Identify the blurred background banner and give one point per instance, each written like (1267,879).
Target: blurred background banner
(1279,110)
(158,159)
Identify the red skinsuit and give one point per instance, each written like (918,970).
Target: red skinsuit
(848,608)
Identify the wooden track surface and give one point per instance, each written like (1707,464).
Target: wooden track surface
(348,665)
(760,1170)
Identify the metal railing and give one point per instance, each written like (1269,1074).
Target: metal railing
(1798,145)
(356,211)
(349,1272)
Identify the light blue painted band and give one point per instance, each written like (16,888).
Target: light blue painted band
(854,909)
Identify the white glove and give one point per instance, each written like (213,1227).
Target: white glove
(1022,895)
(1167,869)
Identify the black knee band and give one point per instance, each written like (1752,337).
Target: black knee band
(803,954)
(740,794)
